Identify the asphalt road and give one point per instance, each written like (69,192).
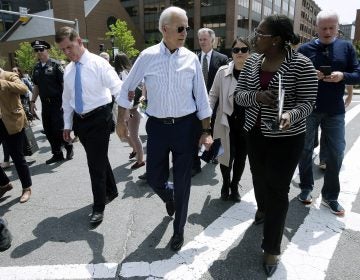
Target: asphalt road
(52,240)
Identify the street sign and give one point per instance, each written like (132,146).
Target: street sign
(23,14)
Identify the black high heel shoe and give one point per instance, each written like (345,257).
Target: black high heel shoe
(270,263)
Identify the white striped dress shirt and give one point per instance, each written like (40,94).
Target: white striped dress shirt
(174,83)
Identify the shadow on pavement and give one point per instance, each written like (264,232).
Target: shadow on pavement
(71,227)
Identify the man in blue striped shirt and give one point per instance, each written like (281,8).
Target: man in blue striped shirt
(176,94)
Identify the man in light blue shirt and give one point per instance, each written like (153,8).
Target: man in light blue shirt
(176,96)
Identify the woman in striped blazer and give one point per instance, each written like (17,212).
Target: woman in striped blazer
(275,141)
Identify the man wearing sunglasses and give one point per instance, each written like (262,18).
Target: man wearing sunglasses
(176,97)
(48,85)
(211,61)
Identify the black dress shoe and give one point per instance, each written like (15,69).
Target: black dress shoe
(170,207)
(177,240)
(143,176)
(69,152)
(96,217)
(111,197)
(270,264)
(55,158)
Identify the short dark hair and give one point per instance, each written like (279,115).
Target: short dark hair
(281,25)
(66,32)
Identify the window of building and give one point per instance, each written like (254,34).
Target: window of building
(244,3)
(132,11)
(5,5)
(256,8)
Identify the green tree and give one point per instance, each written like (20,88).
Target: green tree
(56,53)
(357,48)
(123,38)
(25,57)
(2,62)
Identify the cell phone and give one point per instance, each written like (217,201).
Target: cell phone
(326,70)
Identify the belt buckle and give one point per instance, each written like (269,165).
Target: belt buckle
(169,121)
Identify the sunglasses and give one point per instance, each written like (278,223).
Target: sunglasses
(181,29)
(242,50)
(39,50)
(261,35)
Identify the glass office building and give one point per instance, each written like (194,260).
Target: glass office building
(228,19)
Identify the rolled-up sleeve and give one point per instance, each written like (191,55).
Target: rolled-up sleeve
(134,78)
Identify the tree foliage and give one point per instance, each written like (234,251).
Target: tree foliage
(25,57)
(2,62)
(357,48)
(56,53)
(123,38)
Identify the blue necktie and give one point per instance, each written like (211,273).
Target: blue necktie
(79,106)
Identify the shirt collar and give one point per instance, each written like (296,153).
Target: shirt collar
(84,57)
(165,50)
(208,54)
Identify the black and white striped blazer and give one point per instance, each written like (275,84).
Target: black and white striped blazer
(300,82)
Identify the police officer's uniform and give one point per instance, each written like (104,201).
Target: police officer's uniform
(49,79)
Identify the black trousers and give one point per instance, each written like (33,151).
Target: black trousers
(94,134)
(272,163)
(53,122)
(15,146)
(238,152)
(179,139)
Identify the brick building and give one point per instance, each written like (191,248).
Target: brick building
(94,16)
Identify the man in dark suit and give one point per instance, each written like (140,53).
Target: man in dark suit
(211,61)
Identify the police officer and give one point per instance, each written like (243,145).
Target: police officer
(48,84)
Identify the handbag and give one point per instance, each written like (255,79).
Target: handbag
(30,144)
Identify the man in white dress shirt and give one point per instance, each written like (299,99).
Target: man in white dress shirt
(176,95)
(89,81)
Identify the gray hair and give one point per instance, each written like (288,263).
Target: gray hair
(166,15)
(105,55)
(207,30)
(326,15)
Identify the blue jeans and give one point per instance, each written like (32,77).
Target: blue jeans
(333,131)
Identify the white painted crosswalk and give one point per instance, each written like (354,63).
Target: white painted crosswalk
(306,256)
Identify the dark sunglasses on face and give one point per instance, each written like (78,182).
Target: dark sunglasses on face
(242,50)
(182,28)
(39,50)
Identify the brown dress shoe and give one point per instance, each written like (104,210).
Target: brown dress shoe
(26,193)
(4,189)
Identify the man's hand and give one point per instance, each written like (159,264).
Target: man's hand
(206,140)
(66,135)
(122,131)
(131,95)
(334,77)
(348,100)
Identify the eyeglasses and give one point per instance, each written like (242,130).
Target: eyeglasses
(181,29)
(39,50)
(261,35)
(242,50)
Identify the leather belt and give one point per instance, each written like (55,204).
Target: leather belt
(92,112)
(171,120)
